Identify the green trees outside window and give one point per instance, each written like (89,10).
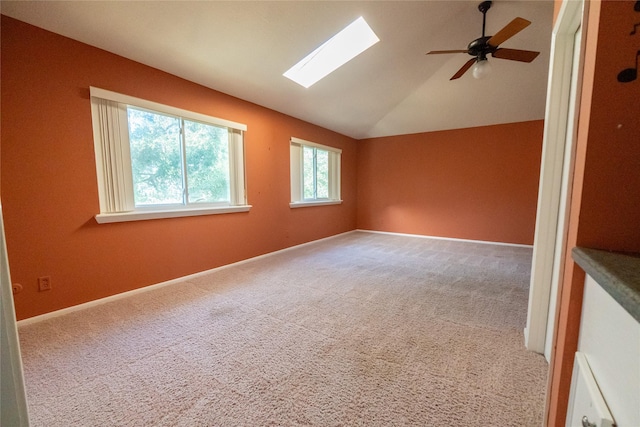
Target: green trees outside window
(315,165)
(177,161)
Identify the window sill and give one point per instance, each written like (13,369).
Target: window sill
(314,203)
(106,218)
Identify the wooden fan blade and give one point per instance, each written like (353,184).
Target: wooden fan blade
(516,54)
(464,69)
(510,30)
(437,52)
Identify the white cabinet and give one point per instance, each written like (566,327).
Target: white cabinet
(606,376)
(586,404)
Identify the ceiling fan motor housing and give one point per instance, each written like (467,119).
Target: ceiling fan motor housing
(480,48)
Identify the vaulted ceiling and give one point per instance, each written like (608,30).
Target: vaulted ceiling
(242,48)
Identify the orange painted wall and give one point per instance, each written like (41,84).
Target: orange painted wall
(605,205)
(475,183)
(49,190)
(610,208)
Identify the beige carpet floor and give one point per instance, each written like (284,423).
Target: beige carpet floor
(359,330)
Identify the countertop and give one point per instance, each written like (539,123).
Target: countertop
(617,273)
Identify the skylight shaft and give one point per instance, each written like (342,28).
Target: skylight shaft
(335,52)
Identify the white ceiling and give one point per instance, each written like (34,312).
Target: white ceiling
(242,48)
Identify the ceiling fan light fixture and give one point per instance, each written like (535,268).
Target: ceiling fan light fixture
(481,69)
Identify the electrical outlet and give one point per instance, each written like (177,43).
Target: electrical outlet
(16,288)
(44,283)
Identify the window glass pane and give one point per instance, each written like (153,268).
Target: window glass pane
(156,159)
(207,149)
(307,172)
(322,174)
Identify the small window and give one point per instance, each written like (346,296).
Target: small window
(315,174)
(156,161)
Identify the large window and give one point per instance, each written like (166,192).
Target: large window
(315,174)
(156,161)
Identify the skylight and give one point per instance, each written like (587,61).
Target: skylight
(335,52)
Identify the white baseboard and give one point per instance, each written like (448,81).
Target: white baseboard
(126,294)
(453,239)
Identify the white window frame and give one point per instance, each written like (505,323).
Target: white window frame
(296,162)
(113,161)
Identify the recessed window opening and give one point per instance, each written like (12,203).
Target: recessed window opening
(156,161)
(335,52)
(315,173)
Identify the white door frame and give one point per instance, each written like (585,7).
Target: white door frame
(13,401)
(560,125)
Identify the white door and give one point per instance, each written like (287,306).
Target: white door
(556,171)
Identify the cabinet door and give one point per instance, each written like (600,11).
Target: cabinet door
(610,340)
(586,404)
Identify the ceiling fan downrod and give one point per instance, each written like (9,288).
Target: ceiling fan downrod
(484,7)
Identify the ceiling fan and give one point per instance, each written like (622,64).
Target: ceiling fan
(485,45)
